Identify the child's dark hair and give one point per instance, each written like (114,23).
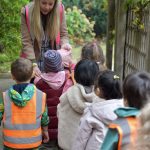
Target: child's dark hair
(22,69)
(136,89)
(109,85)
(86,72)
(93,51)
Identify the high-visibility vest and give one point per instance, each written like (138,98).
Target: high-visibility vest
(28,20)
(127,130)
(22,125)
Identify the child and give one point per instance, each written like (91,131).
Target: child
(68,67)
(143,140)
(96,117)
(93,51)
(136,92)
(52,83)
(74,101)
(23,113)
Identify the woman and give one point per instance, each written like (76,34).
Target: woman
(43,27)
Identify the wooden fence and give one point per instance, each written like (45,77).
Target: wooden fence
(132,45)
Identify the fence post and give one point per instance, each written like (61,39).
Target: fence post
(120,28)
(110,29)
(148,55)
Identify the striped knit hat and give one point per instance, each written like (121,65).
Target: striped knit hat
(52,61)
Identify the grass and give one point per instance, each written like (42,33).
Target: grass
(76,51)
(5,67)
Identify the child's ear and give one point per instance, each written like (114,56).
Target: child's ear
(97,92)
(125,102)
(13,77)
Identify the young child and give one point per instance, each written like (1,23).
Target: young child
(143,138)
(23,112)
(96,117)
(123,131)
(68,67)
(52,83)
(74,101)
(93,51)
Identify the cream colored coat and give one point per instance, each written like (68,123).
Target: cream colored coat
(69,111)
(28,39)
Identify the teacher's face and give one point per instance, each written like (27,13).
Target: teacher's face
(46,6)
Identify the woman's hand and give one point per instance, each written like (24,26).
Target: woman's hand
(45,136)
(37,71)
(66,46)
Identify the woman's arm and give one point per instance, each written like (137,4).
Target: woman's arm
(63,28)
(27,44)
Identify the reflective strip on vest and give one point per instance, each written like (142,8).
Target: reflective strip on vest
(28,133)
(126,128)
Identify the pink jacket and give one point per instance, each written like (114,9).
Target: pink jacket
(93,124)
(54,80)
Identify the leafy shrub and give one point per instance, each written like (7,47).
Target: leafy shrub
(95,10)
(10,18)
(80,29)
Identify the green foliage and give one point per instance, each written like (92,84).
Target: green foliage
(70,3)
(94,10)
(80,29)
(138,7)
(10,28)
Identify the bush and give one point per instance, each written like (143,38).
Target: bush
(95,11)
(10,18)
(80,29)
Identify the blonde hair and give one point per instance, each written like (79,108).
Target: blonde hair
(52,25)
(93,51)
(143,139)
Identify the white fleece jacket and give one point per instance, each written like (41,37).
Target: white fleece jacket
(69,111)
(94,124)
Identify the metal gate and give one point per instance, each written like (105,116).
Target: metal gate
(132,45)
(137,44)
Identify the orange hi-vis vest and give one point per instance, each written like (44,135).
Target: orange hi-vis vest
(22,125)
(127,130)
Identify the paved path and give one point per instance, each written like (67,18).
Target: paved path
(5,82)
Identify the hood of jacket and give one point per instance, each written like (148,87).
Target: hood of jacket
(54,80)
(104,109)
(78,98)
(22,99)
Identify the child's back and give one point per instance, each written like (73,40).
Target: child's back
(24,110)
(96,118)
(144,129)
(52,82)
(123,131)
(73,102)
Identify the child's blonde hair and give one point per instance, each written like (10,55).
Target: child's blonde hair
(93,51)
(53,21)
